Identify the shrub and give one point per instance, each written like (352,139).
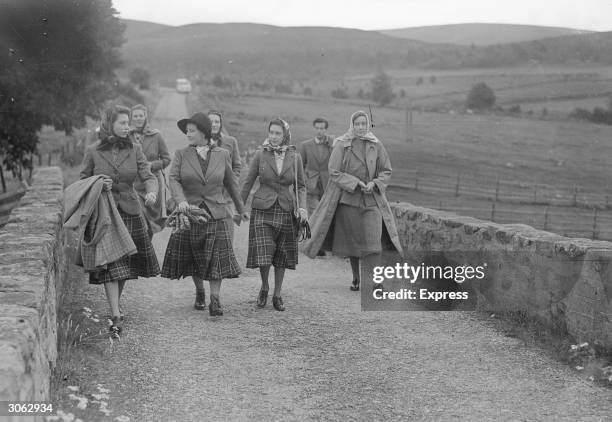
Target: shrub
(481,97)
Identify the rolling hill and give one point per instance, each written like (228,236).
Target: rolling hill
(480,34)
(256,52)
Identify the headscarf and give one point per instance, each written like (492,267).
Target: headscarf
(108,138)
(284,145)
(350,134)
(217,137)
(145,129)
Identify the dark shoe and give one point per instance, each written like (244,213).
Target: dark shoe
(115,328)
(262,299)
(355,286)
(215,309)
(121,315)
(321,253)
(200,301)
(277,301)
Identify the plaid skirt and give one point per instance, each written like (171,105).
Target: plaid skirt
(204,251)
(142,264)
(272,238)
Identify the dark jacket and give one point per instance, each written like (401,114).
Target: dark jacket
(316,158)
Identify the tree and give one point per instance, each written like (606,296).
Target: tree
(480,97)
(140,77)
(382,92)
(59,69)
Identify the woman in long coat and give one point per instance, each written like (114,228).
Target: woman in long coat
(198,175)
(273,229)
(122,162)
(354,217)
(155,149)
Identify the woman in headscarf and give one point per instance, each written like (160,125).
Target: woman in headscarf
(155,149)
(198,175)
(122,162)
(276,210)
(354,217)
(223,140)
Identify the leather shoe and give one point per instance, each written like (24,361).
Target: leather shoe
(354,286)
(277,301)
(200,301)
(215,309)
(262,299)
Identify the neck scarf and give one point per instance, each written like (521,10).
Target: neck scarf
(202,150)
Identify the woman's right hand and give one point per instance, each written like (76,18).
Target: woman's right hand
(108,183)
(183,206)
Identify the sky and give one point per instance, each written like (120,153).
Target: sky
(373,14)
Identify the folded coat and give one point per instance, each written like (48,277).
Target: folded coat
(103,237)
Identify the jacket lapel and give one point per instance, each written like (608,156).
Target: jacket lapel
(192,158)
(322,154)
(358,153)
(213,164)
(287,162)
(271,160)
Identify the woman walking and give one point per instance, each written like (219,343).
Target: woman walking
(155,149)
(122,162)
(275,214)
(198,174)
(354,217)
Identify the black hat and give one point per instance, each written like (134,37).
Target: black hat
(201,121)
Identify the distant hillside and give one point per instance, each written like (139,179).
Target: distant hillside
(260,51)
(254,52)
(480,34)
(137,29)
(566,50)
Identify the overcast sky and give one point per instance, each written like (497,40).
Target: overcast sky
(373,14)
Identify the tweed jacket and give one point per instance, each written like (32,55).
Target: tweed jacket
(103,237)
(129,164)
(344,161)
(188,183)
(275,186)
(316,159)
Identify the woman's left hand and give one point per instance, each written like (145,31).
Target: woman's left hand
(150,199)
(369,187)
(303,214)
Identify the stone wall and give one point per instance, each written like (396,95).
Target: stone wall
(564,282)
(31,270)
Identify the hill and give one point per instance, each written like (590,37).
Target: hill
(270,54)
(480,34)
(262,51)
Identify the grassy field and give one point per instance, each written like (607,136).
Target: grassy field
(520,85)
(543,167)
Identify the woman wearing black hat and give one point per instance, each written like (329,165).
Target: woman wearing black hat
(198,174)
(273,230)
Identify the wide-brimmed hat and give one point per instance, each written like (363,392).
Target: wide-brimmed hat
(201,121)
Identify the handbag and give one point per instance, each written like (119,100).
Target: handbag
(302,225)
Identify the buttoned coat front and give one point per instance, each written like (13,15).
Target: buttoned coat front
(273,185)
(123,168)
(188,183)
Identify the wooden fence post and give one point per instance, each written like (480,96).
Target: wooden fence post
(575,195)
(493,212)
(457,185)
(416,181)
(546,218)
(497,189)
(595,224)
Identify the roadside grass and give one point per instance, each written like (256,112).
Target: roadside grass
(591,362)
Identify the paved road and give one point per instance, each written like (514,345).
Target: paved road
(322,359)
